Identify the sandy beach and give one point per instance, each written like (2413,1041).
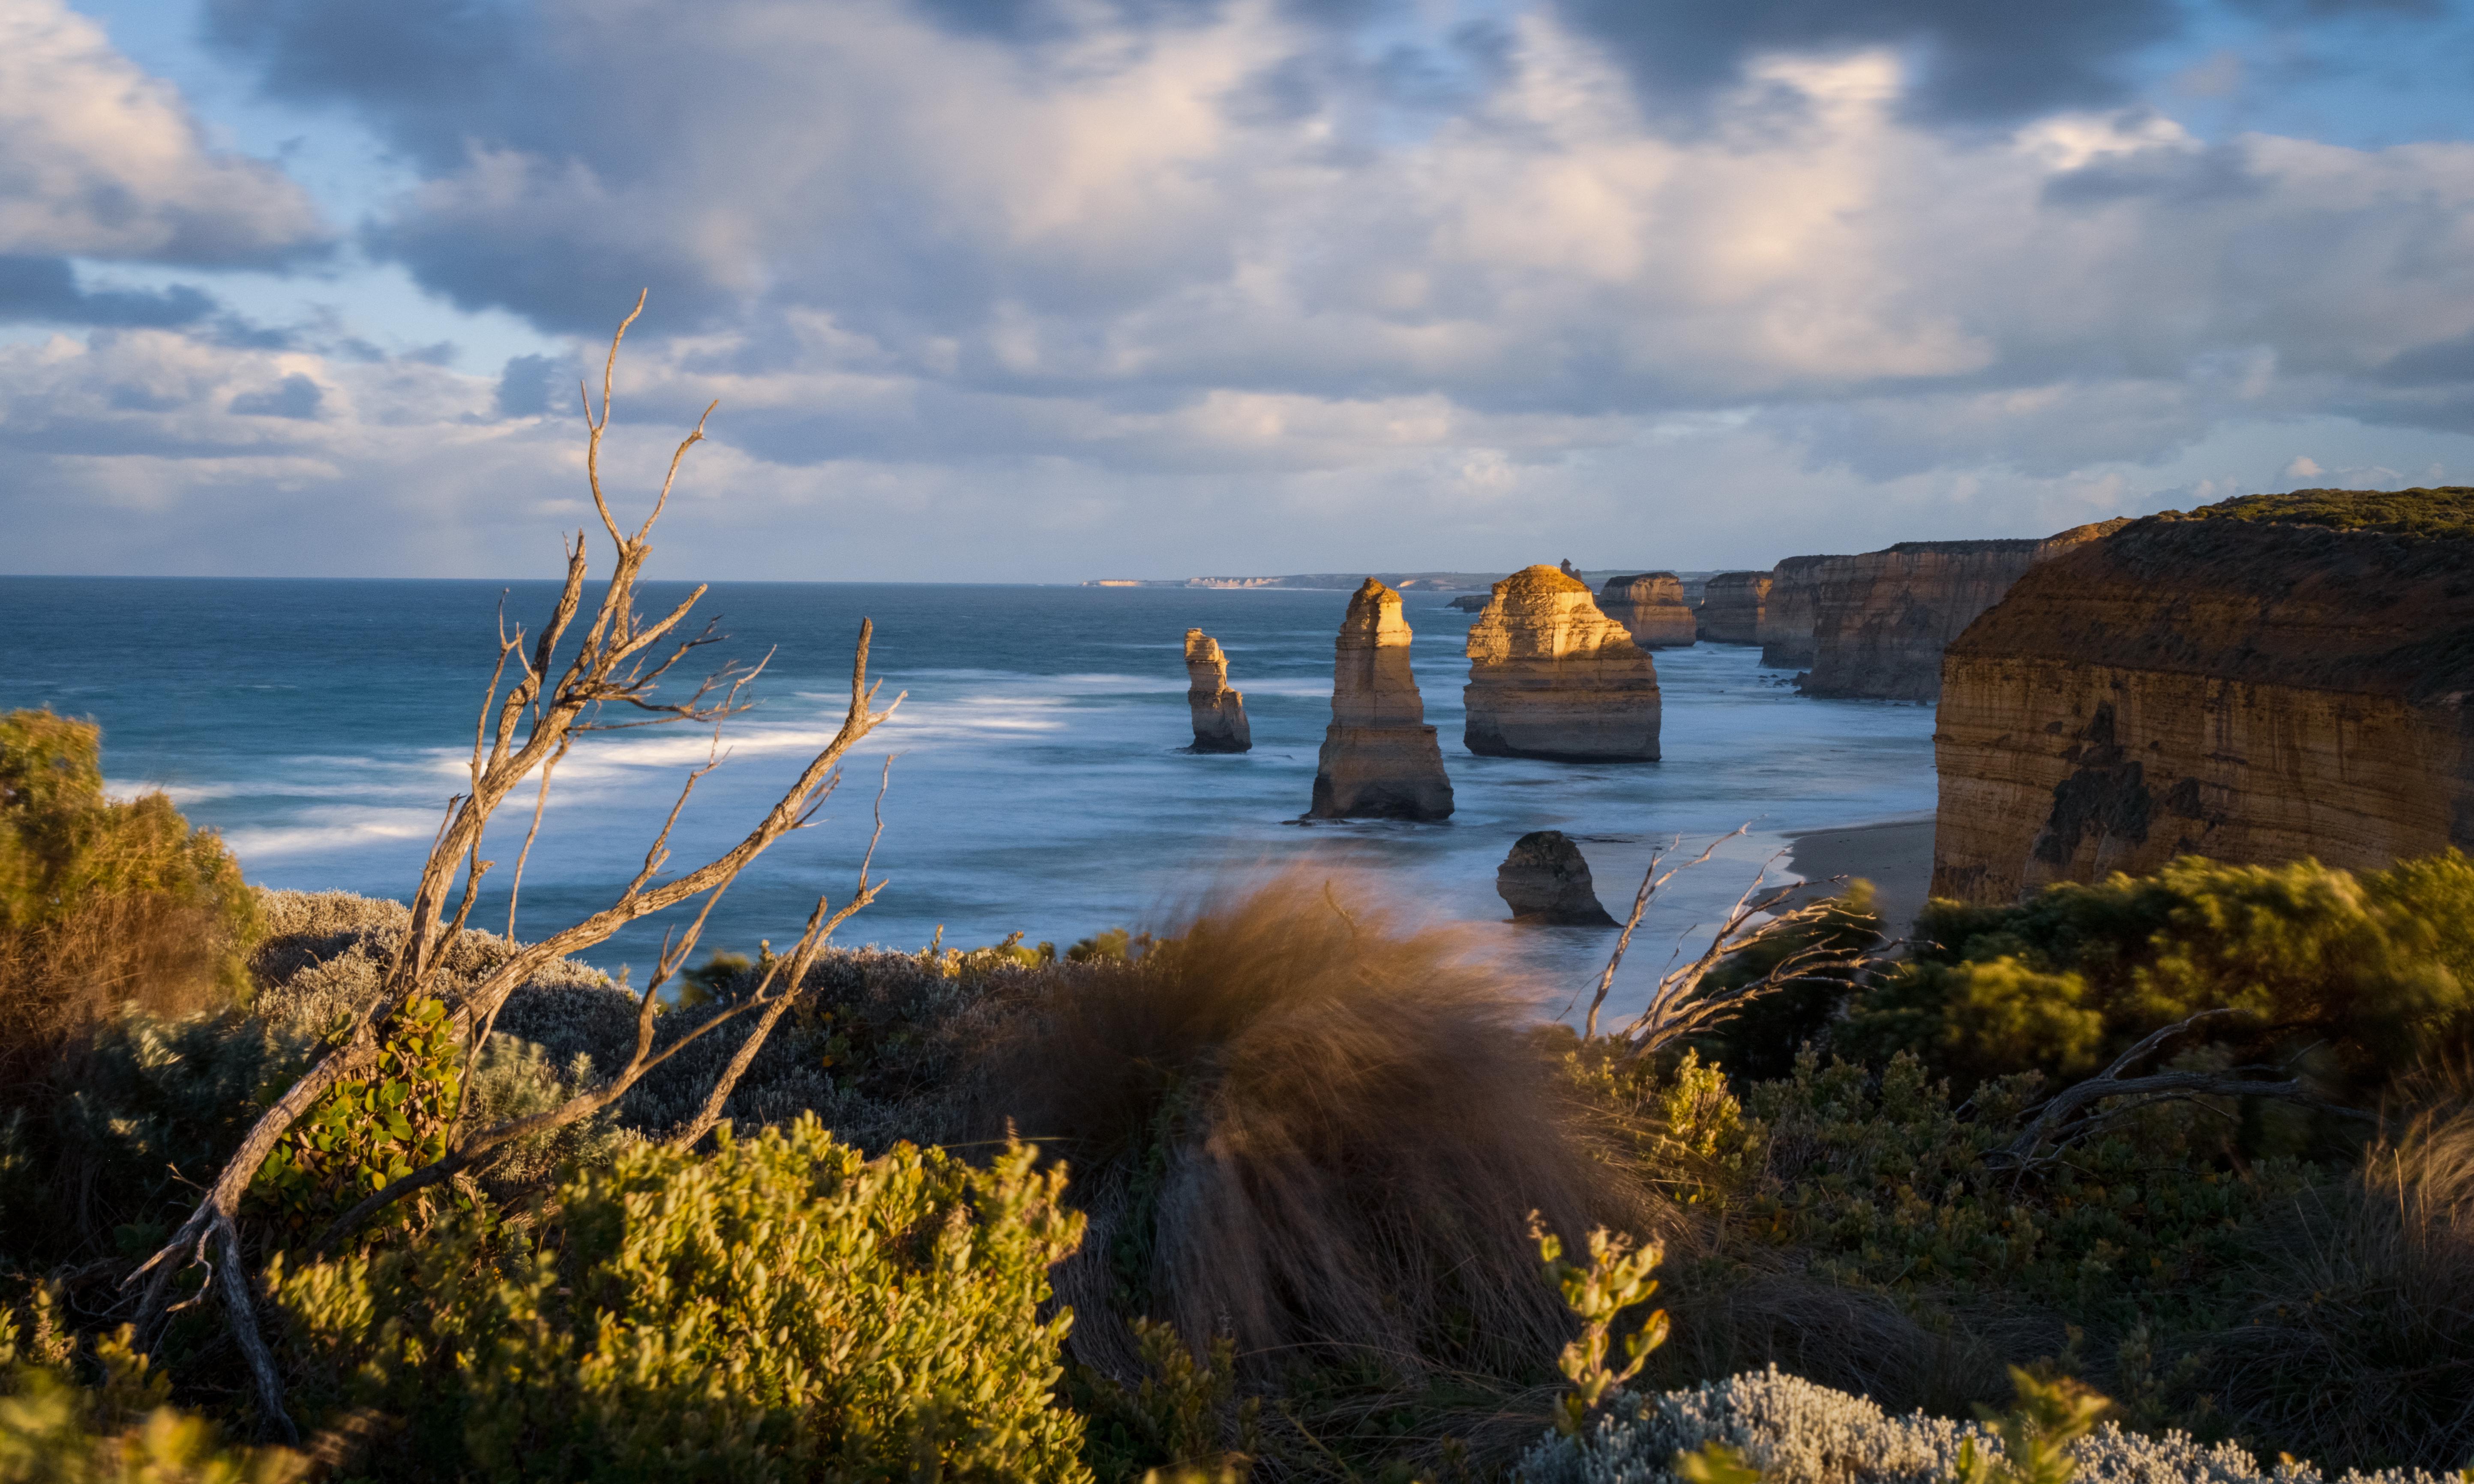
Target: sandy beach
(1895,855)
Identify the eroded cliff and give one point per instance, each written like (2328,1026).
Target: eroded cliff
(1731,605)
(1219,713)
(1651,607)
(1552,677)
(1785,632)
(1379,758)
(2263,680)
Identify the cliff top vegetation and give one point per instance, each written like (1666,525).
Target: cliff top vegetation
(2448,511)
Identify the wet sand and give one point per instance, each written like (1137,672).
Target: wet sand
(1895,855)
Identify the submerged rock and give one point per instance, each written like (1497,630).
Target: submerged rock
(1731,605)
(1219,713)
(1380,759)
(1552,677)
(1544,880)
(1652,609)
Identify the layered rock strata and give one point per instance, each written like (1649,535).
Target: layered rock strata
(1651,607)
(1881,620)
(1219,713)
(2228,683)
(1785,632)
(1380,759)
(1545,881)
(1552,677)
(1732,607)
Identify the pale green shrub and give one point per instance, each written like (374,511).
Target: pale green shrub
(783,1308)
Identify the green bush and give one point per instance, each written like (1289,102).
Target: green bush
(2379,967)
(122,1432)
(783,1308)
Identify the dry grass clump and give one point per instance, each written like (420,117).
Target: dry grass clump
(1300,1124)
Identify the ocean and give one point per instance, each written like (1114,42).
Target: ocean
(1039,782)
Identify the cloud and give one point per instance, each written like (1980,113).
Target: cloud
(44,290)
(295,397)
(98,159)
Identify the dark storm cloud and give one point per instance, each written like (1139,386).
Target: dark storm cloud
(1981,61)
(44,290)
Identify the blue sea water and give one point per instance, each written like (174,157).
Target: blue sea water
(1039,782)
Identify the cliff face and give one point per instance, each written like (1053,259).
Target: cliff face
(1785,633)
(1881,619)
(1651,607)
(1732,607)
(2243,688)
(1380,759)
(1552,677)
(1219,713)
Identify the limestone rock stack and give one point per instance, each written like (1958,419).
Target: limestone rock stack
(1785,633)
(1381,759)
(1651,607)
(1219,713)
(1732,607)
(2270,678)
(1881,620)
(1552,677)
(1544,880)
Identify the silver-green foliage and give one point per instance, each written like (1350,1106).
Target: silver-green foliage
(1796,1432)
(781,1309)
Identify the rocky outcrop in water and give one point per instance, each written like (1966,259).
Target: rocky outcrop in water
(1552,677)
(1544,880)
(1651,607)
(1881,620)
(1785,633)
(1731,605)
(1219,713)
(1380,759)
(2270,678)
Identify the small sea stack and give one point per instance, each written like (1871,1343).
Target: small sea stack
(1652,609)
(1380,759)
(1552,677)
(1545,881)
(1731,605)
(1219,713)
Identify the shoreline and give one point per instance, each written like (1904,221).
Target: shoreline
(1895,855)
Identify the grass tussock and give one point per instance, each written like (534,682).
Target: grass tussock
(1304,1125)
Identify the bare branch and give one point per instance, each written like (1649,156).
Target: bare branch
(1650,882)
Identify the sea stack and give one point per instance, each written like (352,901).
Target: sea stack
(1881,620)
(1732,605)
(1381,759)
(1652,609)
(2258,680)
(1552,677)
(1219,713)
(1785,633)
(1544,880)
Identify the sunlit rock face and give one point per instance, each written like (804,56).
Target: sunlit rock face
(1651,607)
(1552,677)
(1545,882)
(1785,632)
(2221,682)
(1881,619)
(1219,713)
(1732,605)
(1380,759)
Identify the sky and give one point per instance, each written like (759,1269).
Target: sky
(1050,290)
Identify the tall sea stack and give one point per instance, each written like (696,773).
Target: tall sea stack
(1381,759)
(1881,620)
(1732,605)
(1219,713)
(1651,607)
(1785,633)
(1552,677)
(2265,678)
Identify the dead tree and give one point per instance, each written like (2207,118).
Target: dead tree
(527,722)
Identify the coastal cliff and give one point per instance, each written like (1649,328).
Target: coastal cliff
(2262,680)
(1881,619)
(1732,605)
(1552,677)
(1219,713)
(1651,607)
(1379,758)
(1785,632)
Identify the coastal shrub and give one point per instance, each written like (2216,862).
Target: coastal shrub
(1761,1041)
(123,1431)
(2377,968)
(781,1309)
(1301,1125)
(101,902)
